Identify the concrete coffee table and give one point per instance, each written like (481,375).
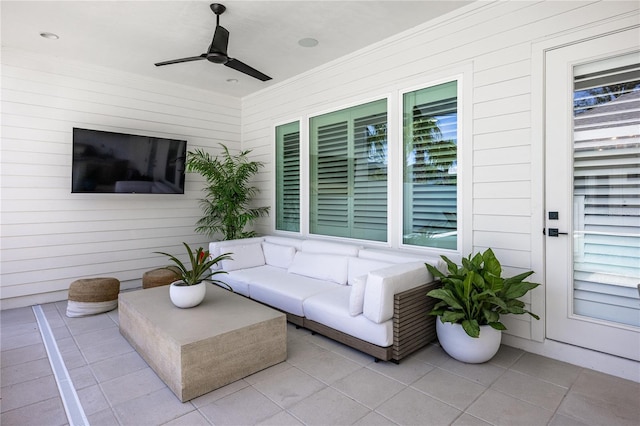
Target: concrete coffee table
(194,351)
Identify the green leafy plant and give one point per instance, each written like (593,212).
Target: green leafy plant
(228,193)
(200,268)
(475,294)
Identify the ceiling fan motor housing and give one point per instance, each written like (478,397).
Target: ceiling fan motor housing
(217,8)
(217,58)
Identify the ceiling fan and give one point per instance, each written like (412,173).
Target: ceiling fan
(217,52)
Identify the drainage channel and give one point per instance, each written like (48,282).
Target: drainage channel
(70,400)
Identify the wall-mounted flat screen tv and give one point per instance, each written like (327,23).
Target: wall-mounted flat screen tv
(108,162)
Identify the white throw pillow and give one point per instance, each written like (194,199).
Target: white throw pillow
(277,255)
(328,267)
(359,266)
(243,256)
(356,298)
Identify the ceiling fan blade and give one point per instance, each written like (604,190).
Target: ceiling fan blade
(244,68)
(220,41)
(177,61)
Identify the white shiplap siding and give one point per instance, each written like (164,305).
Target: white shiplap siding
(495,41)
(50,236)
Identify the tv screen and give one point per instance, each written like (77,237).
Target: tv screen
(108,162)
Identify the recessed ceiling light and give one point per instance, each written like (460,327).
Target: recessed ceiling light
(308,42)
(50,36)
(232,80)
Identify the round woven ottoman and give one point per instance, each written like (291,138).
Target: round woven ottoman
(160,276)
(90,296)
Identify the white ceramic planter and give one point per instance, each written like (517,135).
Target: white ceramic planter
(457,343)
(187,296)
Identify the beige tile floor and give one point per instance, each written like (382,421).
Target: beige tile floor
(321,383)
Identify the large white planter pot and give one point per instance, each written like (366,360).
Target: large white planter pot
(187,296)
(457,343)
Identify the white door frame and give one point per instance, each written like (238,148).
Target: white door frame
(538,343)
(562,324)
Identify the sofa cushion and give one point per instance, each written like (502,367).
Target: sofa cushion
(326,267)
(243,255)
(389,256)
(402,257)
(238,285)
(280,289)
(216,248)
(277,255)
(356,297)
(331,308)
(358,267)
(284,241)
(383,284)
(316,246)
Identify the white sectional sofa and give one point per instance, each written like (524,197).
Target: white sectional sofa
(373,300)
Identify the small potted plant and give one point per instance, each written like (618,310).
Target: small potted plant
(472,298)
(190,289)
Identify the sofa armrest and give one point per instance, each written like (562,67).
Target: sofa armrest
(383,284)
(413,327)
(216,248)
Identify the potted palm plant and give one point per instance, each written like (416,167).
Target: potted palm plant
(228,192)
(189,290)
(471,300)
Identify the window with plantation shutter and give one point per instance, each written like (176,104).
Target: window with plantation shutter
(430,123)
(288,177)
(606,184)
(348,173)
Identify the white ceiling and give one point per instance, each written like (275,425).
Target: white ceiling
(133,35)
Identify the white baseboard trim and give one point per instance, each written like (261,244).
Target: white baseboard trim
(33,299)
(598,361)
(53,296)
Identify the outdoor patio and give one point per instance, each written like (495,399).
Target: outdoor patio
(322,382)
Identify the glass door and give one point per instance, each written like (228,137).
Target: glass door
(593,194)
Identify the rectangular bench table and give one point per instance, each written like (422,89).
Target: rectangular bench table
(196,350)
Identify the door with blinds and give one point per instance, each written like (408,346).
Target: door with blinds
(592,162)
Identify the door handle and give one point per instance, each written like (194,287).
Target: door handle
(553,232)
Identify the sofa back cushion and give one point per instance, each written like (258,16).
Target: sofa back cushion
(284,241)
(328,247)
(390,256)
(359,267)
(243,256)
(327,267)
(383,284)
(277,255)
(216,246)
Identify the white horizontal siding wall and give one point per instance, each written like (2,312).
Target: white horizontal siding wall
(50,236)
(495,41)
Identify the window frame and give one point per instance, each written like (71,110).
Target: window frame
(464,163)
(275,172)
(402,161)
(395,168)
(326,116)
